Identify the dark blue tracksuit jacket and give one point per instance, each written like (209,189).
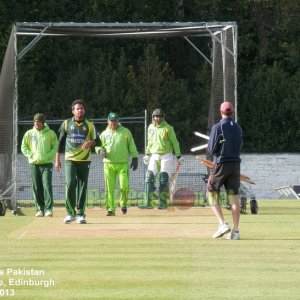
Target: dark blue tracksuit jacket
(225,141)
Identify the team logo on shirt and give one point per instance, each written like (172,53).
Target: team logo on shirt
(108,138)
(77,138)
(84,128)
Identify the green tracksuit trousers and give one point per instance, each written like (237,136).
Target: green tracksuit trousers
(41,178)
(111,171)
(77,174)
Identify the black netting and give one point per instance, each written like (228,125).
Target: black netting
(153,67)
(7,120)
(223,77)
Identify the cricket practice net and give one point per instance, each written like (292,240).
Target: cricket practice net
(187,69)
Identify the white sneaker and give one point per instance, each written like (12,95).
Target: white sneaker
(39,214)
(49,213)
(233,235)
(81,220)
(69,219)
(223,229)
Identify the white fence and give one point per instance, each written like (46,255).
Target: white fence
(268,171)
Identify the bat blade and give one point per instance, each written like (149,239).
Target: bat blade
(173,183)
(210,165)
(205,162)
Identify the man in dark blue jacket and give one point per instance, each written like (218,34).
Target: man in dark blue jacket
(225,144)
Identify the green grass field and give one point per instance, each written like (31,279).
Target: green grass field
(152,255)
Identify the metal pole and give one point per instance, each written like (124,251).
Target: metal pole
(194,46)
(234,35)
(15,128)
(145,131)
(32,43)
(223,39)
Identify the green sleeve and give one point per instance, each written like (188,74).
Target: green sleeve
(100,147)
(132,147)
(62,138)
(148,147)
(174,141)
(53,145)
(92,131)
(25,148)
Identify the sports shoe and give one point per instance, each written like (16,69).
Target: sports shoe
(110,214)
(223,229)
(124,210)
(143,206)
(233,235)
(39,214)
(81,220)
(69,219)
(162,207)
(48,213)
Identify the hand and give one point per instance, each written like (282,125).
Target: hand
(57,165)
(88,145)
(208,185)
(102,153)
(134,163)
(146,159)
(180,159)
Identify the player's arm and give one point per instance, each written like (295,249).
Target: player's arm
(174,141)
(93,138)
(149,142)
(25,149)
(53,147)
(133,152)
(100,146)
(131,146)
(214,139)
(60,147)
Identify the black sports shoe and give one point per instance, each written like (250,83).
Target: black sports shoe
(124,210)
(162,207)
(110,214)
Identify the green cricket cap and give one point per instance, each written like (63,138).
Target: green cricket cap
(113,116)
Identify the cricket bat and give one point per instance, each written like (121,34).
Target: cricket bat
(210,165)
(173,183)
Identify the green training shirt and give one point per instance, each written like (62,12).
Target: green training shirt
(118,144)
(39,146)
(162,139)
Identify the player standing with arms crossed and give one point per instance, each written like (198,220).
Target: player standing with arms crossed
(77,136)
(225,144)
(162,142)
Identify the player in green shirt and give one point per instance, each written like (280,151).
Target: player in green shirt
(39,146)
(77,136)
(117,144)
(162,143)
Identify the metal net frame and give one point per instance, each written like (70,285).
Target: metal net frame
(222,59)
